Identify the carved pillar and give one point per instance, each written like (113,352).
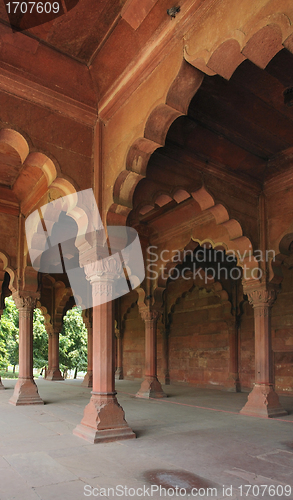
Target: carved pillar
(263,400)
(54,372)
(234,383)
(150,387)
(119,369)
(103,418)
(1,385)
(26,391)
(88,378)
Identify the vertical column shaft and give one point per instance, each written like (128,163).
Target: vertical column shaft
(263,400)
(25,391)
(103,418)
(88,379)
(119,369)
(150,387)
(54,372)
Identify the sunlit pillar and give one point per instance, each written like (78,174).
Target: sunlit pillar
(26,391)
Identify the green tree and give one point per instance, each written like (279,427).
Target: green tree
(73,342)
(40,345)
(9,337)
(3,351)
(9,334)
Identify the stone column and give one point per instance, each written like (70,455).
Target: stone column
(88,378)
(119,369)
(263,400)
(234,383)
(150,387)
(26,391)
(103,418)
(50,331)
(54,372)
(165,355)
(1,385)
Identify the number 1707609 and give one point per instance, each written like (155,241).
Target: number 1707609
(30,7)
(265,489)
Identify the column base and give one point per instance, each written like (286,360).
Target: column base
(263,401)
(151,388)
(88,380)
(26,393)
(54,375)
(103,421)
(2,388)
(119,374)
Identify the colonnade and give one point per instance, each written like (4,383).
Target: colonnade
(104,418)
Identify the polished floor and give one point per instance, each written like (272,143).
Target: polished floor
(194,441)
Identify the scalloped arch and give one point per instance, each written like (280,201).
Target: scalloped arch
(8,268)
(214,288)
(259,43)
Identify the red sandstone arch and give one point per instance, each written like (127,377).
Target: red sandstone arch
(284,257)
(36,172)
(259,43)
(5,266)
(37,237)
(45,314)
(62,295)
(214,287)
(158,123)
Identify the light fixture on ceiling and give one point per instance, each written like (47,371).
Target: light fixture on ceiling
(173,11)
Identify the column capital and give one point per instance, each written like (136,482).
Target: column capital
(56,329)
(149,315)
(261,296)
(106,269)
(25,302)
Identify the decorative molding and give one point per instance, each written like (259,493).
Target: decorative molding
(25,89)
(103,288)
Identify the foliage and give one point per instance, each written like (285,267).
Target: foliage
(40,345)
(8,375)
(73,341)
(9,334)
(9,337)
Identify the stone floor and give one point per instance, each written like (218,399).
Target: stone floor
(193,439)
